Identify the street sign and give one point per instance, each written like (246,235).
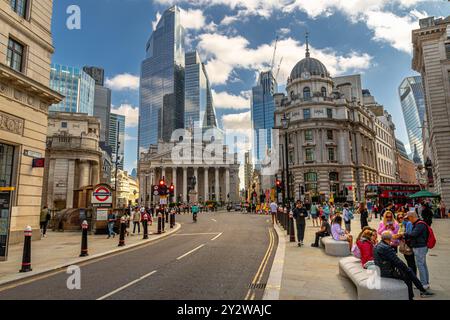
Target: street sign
(102,214)
(32,154)
(38,163)
(102,196)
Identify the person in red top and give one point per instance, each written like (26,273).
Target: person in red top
(365,245)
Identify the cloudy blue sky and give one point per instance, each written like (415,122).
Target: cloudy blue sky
(235,38)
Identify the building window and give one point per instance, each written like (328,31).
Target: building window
(20,7)
(330,113)
(15,55)
(447,50)
(324,92)
(64,125)
(331,154)
(311,177)
(306,114)
(291,157)
(309,153)
(334,176)
(307,93)
(330,135)
(6,165)
(309,135)
(311,182)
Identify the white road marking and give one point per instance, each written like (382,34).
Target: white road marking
(216,237)
(127,285)
(196,234)
(190,252)
(214,220)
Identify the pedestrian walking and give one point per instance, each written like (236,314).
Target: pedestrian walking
(314,215)
(427,214)
(111,221)
(348,217)
(273,211)
(364,212)
(44,219)
(137,221)
(300,214)
(126,219)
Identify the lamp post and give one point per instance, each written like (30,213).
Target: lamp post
(285,121)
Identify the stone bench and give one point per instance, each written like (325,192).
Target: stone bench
(335,248)
(386,289)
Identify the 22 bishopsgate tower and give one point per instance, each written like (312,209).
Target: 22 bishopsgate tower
(162,82)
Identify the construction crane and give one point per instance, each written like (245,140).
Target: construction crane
(272,65)
(279,67)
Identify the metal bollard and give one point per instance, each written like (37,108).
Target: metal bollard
(167,216)
(123,227)
(160,222)
(163,222)
(145,226)
(171,220)
(26,259)
(84,239)
(291,229)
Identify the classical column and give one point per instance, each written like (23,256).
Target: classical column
(95,174)
(70,183)
(206,184)
(185,185)
(174,176)
(84,174)
(163,173)
(227,183)
(217,187)
(197,180)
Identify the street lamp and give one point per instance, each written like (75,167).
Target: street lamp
(285,121)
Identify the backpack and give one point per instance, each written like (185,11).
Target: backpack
(431,242)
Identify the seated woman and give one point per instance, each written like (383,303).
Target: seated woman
(389,224)
(340,234)
(355,249)
(365,245)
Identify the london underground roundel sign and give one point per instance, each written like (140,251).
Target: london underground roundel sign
(102,195)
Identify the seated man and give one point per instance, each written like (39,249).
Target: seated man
(340,234)
(392,267)
(325,231)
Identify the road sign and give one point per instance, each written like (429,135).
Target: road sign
(102,196)
(163,200)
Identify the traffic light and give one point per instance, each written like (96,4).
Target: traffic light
(172,190)
(162,189)
(279,186)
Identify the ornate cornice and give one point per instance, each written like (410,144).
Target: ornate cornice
(11,123)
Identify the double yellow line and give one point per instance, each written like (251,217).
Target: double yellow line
(262,268)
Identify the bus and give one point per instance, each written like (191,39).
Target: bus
(397,193)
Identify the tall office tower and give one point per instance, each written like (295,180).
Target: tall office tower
(199,108)
(76,85)
(262,114)
(117,130)
(413,106)
(431,58)
(162,82)
(102,101)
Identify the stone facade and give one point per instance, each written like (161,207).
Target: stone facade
(407,170)
(213,181)
(331,134)
(24,100)
(431,59)
(74,159)
(127,189)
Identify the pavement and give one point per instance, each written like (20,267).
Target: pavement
(223,256)
(61,249)
(309,274)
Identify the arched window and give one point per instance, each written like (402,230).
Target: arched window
(307,93)
(334,176)
(324,92)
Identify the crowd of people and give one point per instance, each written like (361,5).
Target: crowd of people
(405,230)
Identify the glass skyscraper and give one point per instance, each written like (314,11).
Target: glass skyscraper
(413,105)
(262,114)
(162,82)
(199,109)
(77,87)
(117,123)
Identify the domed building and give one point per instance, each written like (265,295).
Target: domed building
(331,135)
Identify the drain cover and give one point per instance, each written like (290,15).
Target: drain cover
(257,286)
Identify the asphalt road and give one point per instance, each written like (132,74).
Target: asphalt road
(219,258)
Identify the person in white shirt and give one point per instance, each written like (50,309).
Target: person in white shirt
(274,210)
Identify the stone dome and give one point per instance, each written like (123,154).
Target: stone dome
(311,65)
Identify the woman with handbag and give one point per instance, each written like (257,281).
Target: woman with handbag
(406,226)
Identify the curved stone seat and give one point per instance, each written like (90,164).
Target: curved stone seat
(335,248)
(369,285)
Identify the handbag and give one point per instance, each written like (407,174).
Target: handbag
(405,249)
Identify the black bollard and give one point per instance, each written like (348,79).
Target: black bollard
(163,221)
(84,239)
(160,221)
(167,216)
(145,225)
(174,217)
(292,229)
(26,259)
(123,227)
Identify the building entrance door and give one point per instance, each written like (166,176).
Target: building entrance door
(6,171)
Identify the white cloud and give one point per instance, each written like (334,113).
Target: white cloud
(155,22)
(192,19)
(122,82)
(131,114)
(225,100)
(221,51)
(238,122)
